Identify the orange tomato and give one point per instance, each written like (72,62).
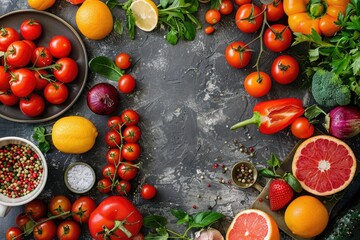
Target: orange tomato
(41,4)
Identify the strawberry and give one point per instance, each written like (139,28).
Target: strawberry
(280,194)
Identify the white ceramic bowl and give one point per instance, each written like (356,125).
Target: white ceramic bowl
(5,201)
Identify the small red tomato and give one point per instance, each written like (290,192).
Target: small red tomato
(130,151)
(56,92)
(123,187)
(237,54)
(277,38)
(113,138)
(67,70)
(18,54)
(8,99)
(41,56)
(82,208)
(257,84)
(123,60)
(126,83)
(68,230)
(226,7)
(45,231)
(131,134)
(241,2)
(8,35)
(248,18)
(285,69)
(13,233)
(108,171)
(302,128)
(212,16)
(42,79)
(33,105)
(114,122)
(4,79)
(127,171)
(22,82)
(274,11)
(60,46)
(59,204)
(113,156)
(36,209)
(30,29)
(209,30)
(130,117)
(148,192)
(21,220)
(104,185)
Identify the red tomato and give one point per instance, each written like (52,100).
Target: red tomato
(123,187)
(21,220)
(212,16)
(257,84)
(127,171)
(75,2)
(60,46)
(13,233)
(130,117)
(123,60)
(45,230)
(302,128)
(126,83)
(42,79)
(226,7)
(33,105)
(274,11)
(109,171)
(4,79)
(30,29)
(113,138)
(68,230)
(18,54)
(67,70)
(41,57)
(8,99)
(242,2)
(22,82)
(82,208)
(148,192)
(248,18)
(31,44)
(113,156)
(237,54)
(8,35)
(131,134)
(59,204)
(56,92)
(277,37)
(36,209)
(114,122)
(130,151)
(285,69)
(209,30)
(104,185)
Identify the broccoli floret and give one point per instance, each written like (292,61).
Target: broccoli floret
(328,89)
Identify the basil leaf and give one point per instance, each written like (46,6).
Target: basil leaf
(130,23)
(265,172)
(155,221)
(172,37)
(112,4)
(194,6)
(293,182)
(105,67)
(274,161)
(204,219)
(190,31)
(118,27)
(181,215)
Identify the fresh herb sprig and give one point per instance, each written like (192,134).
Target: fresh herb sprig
(197,221)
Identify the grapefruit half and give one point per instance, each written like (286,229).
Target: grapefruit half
(253,224)
(324,165)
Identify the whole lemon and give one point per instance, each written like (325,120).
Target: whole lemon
(306,216)
(94,19)
(74,134)
(41,4)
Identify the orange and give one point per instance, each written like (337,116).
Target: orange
(41,4)
(94,19)
(306,216)
(253,224)
(324,165)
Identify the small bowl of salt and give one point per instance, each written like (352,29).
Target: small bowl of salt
(79,177)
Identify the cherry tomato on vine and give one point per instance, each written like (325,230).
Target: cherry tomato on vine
(285,69)
(302,128)
(242,2)
(60,46)
(8,35)
(112,138)
(126,83)
(212,16)
(131,134)
(82,208)
(209,30)
(30,29)
(68,230)
(8,99)
(22,82)
(130,117)
(277,37)
(237,54)
(45,231)
(113,156)
(130,151)
(56,92)
(274,11)
(41,56)
(114,122)
(41,81)
(21,220)
(248,18)
(59,204)
(127,171)
(13,233)
(67,70)
(148,191)
(104,185)
(33,105)
(108,171)
(226,7)
(18,54)
(257,84)
(123,60)
(4,79)
(36,209)
(123,187)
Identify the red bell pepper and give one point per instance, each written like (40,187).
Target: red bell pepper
(115,218)
(274,115)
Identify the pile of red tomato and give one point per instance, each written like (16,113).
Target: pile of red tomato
(33,76)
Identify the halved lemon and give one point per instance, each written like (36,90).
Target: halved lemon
(145,13)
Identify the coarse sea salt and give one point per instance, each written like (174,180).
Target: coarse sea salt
(80,177)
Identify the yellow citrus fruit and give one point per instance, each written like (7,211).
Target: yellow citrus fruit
(94,19)
(145,13)
(306,216)
(74,134)
(41,4)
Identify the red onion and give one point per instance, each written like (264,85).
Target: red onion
(103,99)
(343,121)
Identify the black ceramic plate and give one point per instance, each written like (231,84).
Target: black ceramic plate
(52,26)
